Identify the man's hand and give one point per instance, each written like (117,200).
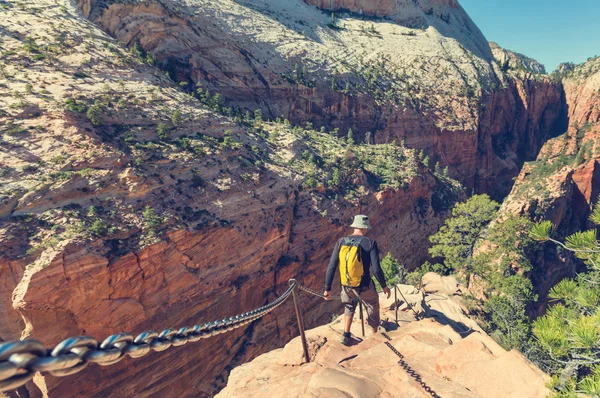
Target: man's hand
(328,295)
(386,290)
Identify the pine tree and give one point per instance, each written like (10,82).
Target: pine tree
(391,268)
(336,178)
(426,161)
(95,114)
(258,116)
(456,239)
(350,140)
(151,220)
(176,118)
(163,131)
(570,330)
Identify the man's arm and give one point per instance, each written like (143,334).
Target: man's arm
(376,267)
(333,263)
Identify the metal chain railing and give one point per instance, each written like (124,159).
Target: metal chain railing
(20,360)
(314,293)
(411,372)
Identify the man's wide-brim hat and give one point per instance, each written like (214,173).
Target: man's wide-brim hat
(361,222)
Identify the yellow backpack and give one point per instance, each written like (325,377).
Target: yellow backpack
(351,264)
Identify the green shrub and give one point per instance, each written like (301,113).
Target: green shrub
(569,332)
(390,267)
(151,219)
(95,114)
(29,168)
(75,106)
(99,228)
(162,131)
(14,129)
(176,118)
(456,239)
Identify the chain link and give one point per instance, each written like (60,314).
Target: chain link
(20,360)
(411,372)
(314,293)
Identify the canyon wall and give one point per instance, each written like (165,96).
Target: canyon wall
(195,277)
(437,85)
(564,182)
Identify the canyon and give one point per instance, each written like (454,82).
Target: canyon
(562,184)
(214,219)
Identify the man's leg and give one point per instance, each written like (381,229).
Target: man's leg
(349,307)
(370,300)
(348,322)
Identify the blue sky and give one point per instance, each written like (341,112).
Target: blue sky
(550,31)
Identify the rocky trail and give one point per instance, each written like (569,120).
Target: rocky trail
(445,354)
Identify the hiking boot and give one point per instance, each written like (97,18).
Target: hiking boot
(346,339)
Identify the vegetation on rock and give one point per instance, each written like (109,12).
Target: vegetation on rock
(570,331)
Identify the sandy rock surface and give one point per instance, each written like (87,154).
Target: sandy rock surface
(440,353)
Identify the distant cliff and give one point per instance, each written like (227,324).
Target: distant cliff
(512,60)
(433,81)
(564,182)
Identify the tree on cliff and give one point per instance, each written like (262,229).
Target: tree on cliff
(176,118)
(500,266)
(456,239)
(391,268)
(493,257)
(570,330)
(95,114)
(350,140)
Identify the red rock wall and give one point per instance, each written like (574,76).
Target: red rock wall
(571,191)
(195,277)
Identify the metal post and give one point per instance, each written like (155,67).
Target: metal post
(396,301)
(362,320)
(301,326)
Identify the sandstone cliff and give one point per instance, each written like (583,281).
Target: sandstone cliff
(423,74)
(446,353)
(126,204)
(564,182)
(512,60)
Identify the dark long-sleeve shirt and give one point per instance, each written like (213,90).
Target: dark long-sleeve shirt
(370,256)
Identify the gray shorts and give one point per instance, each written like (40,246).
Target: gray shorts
(370,300)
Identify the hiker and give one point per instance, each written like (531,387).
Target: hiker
(357,256)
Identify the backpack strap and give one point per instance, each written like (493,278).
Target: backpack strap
(356,240)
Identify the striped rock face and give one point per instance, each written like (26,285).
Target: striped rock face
(423,74)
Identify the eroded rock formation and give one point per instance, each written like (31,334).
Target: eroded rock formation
(512,60)
(154,211)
